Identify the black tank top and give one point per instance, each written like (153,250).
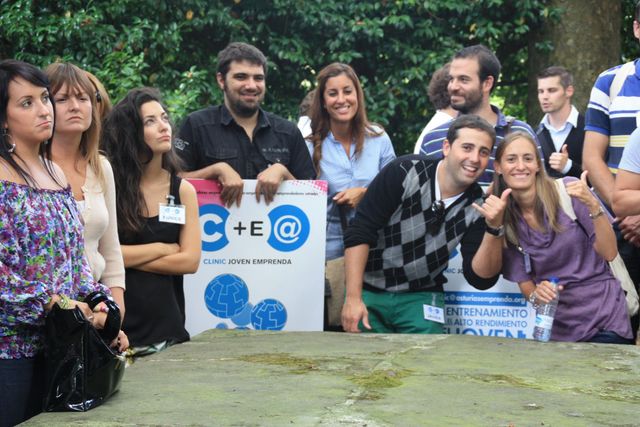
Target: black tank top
(154,302)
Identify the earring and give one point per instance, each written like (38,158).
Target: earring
(5,135)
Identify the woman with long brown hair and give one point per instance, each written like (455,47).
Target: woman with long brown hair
(348,151)
(544,242)
(75,150)
(158,245)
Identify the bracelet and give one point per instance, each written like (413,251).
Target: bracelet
(597,214)
(64,302)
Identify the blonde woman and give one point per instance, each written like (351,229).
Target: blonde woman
(75,150)
(543,241)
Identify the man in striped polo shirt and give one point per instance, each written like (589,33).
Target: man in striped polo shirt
(413,215)
(474,73)
(612,115)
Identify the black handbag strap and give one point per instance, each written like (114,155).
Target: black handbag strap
(342,211)
(112,323)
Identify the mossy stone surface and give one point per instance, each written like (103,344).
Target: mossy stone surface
(247,378)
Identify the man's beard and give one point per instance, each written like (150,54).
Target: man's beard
(241,108)
(471,104)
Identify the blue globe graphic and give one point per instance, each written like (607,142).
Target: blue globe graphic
(226,295)
(244,317)
(222,325)
(269,315)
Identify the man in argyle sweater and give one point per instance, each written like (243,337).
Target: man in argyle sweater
(413,215)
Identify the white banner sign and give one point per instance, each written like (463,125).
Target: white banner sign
(262,266)
(501,311)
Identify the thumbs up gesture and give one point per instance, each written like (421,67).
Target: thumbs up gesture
(580,190)
(559,160)
(493,208)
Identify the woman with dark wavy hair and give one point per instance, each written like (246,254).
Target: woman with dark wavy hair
(41,249)
(158,220)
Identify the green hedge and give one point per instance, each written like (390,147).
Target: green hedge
(394,46)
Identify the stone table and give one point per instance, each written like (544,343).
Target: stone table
(251,378)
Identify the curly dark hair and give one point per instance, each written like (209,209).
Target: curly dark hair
(438,88)
(123,142)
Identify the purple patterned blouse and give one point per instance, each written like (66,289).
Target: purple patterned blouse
(41,253)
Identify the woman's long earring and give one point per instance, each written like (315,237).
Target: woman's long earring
(5,135)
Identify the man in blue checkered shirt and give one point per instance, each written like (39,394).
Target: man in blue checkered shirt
(413,215)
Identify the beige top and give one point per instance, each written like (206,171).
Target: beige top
(102,245)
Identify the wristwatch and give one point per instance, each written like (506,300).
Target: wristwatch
(498,232)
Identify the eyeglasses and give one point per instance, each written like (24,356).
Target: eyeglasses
(437,209)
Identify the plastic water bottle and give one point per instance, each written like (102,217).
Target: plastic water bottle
(545,314)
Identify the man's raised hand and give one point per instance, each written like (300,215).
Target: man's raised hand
(493,208)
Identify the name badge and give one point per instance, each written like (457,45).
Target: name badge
(527,259)
(435,314)
(175,214)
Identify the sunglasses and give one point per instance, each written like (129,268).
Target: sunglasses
(437,209)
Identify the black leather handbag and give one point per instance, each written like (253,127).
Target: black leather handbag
(82,371)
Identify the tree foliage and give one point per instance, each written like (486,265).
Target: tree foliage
(629,42)
(394,45)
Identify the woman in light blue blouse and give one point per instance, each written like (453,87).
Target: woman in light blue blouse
(347,150)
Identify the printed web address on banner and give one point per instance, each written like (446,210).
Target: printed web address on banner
(484,298)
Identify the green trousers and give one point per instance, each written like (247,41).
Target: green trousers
(391,312)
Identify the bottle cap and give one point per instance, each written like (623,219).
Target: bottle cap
(554,280)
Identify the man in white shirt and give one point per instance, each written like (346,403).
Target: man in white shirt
(439,96)
(561,131)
